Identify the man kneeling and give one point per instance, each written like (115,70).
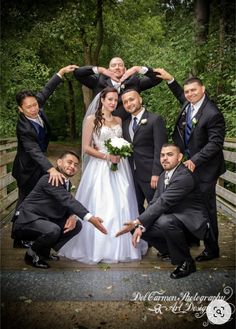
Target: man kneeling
(48,215)
(176,209)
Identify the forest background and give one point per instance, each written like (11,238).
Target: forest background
(186,37)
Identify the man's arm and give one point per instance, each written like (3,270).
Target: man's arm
(52,84)
(159,138)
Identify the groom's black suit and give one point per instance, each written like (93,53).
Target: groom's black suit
(42,216)
(174,211)
(97,82)
(30,162)
(145,161)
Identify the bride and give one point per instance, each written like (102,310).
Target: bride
(108,194)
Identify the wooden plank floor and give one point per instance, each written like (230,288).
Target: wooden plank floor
(12,259)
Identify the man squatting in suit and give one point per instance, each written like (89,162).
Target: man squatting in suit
(147,132)
(33,132)
(199,132)
(97,78)
(48,215)
(176,209)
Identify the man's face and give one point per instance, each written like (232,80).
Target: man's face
(194,92)
(29,107)
(68,165)
(170,157)
(117,66)
(132,102)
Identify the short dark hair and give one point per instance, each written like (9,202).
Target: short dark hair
(129,90)
(192,80)
(65,153)
(21,95)
(173,145)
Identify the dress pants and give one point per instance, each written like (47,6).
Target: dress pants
(143,191)
(167,234)
(208,190)
(45,234)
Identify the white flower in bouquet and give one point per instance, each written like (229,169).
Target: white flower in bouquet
(118,146)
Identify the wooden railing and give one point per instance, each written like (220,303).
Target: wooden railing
(225,189)
(8,188)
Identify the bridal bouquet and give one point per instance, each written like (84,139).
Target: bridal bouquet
(118,146)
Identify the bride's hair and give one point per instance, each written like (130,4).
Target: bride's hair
(99,120)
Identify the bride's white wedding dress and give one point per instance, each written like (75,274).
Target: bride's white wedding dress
(111,196)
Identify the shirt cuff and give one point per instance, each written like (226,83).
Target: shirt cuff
(143,70)
(88,216)
(170,81)
(95,69)
(59,75)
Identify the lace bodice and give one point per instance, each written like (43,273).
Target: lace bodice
(106,133)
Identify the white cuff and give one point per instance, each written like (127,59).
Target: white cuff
(59,75)
(95,69)
(143,70)
(87,216)
(170,81)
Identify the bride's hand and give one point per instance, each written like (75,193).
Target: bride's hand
(114,158)
(97,222)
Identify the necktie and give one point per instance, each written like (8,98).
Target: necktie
(188,124)
(135,124)
(166,181)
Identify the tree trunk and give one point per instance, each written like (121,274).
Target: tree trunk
(202,14)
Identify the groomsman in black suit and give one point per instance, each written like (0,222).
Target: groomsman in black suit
(47,216)
(33,132)
(147,132)
(200,132)
(176,209)
(98,78)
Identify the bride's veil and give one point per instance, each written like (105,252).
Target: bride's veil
(93,106)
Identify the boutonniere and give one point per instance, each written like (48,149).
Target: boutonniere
(72,188)
(122,87)
(143,122)
(194,122)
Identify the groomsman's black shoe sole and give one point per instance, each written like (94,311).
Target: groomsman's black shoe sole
(183,270)
(52,257)
(164,257)
(205,255)
(35,261)
(21,244)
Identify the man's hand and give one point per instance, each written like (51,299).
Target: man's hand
(67,69)
(136,237)
(154,181)
(190,165)
(129,72)
(129,226)
(97,222)
(55,177)
(70,224)
(163,74)
(108,73)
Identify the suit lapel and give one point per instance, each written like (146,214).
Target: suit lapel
(144,116)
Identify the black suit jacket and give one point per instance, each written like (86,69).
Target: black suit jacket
(181,198)
(97,82)
(206,139)
(51,203)
(30,162)
(147,142)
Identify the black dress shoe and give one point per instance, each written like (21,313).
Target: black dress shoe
(22,244)
(206,255)
(51,257)
(35,261)
(185,269)
(164,257)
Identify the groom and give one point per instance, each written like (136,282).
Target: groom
(46,216)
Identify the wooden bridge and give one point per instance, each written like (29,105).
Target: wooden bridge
(134,276)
